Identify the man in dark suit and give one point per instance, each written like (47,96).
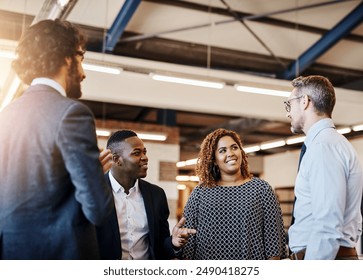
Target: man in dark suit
(138,228)
(52,187)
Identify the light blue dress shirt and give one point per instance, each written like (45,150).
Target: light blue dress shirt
(328,192)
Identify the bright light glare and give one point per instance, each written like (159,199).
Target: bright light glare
(192,82)
(263,91)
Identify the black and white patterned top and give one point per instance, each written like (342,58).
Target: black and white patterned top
(234,223)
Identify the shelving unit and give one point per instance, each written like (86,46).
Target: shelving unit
(286,196)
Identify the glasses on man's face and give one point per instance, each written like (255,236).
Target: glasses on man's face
(288,103)
(80,53)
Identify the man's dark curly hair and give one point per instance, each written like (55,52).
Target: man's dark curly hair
(206,158)
(43,48)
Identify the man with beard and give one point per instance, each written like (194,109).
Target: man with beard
(328,188)
(52,187)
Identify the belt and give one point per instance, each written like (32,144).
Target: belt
(342,252)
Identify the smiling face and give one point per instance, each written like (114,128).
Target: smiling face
(133,158)
(228,156)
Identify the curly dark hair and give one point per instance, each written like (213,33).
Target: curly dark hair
(43,48)
(206,158)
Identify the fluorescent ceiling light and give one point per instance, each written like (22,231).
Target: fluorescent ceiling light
(181,164)
(295,140)
(187,81)
(191,161)
(270,145)
(251,149)
(102,69)
(187,162)
(184,178)
(143,136)
(358,127)
(104,133)
(194,178)
(344,130)
(152,136)
(262,91)
(181,187)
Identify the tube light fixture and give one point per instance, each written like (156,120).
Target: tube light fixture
(180,164)
(102,69)
(187,81)
(191,161)
(358,127)
(104,133)
(152,136)
(344,130)
(270,145)
(262,91)
(181,187)
(251,149)
(194,178)
(184,178)
(143,136)
(187,162)
(295,140)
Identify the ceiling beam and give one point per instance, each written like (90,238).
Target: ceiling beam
(344,27)
(118,26)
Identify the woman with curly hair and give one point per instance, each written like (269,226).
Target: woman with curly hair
(236,215)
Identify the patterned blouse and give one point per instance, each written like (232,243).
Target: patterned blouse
(234,223)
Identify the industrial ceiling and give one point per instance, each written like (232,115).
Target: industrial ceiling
(227,39)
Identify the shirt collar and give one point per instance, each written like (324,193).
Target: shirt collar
(117,187)
(316,128)
(51,83)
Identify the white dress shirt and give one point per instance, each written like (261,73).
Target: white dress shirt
(132,221)
(51,83)
(328,192)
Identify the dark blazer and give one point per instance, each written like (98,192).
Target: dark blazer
(52,189)
(157,212)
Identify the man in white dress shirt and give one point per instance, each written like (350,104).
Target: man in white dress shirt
(138,228)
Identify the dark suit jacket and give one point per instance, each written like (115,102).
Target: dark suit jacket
(157,212)
(52,189)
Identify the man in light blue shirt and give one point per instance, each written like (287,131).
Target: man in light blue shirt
(328,188)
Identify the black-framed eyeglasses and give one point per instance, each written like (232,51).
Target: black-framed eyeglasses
(80,53)
(288,104)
